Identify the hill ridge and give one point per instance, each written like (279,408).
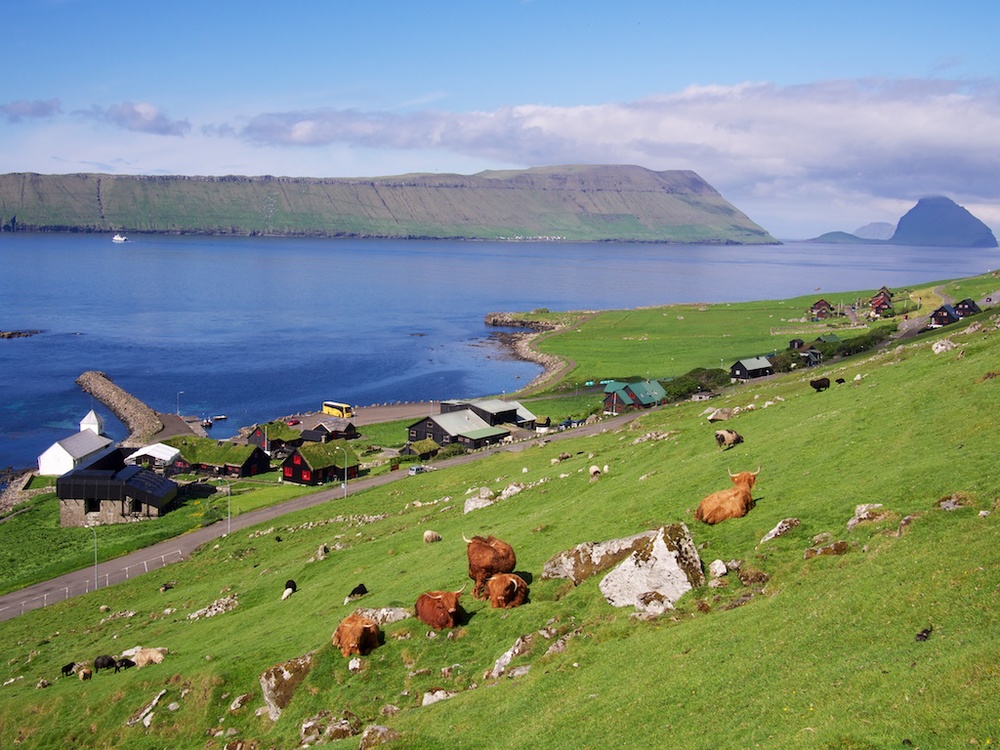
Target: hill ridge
(572,202)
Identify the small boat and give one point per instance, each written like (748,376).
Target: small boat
(206,423)
(119,238)
(220,417)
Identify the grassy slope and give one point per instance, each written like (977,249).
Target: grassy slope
(823,657)
(618,203)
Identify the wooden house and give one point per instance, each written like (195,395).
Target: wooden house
(966,307)
(464,427)
(319,463)
(323,428)
(93,497)
(821,309)
(425,449)
(621,397)
(943,316)
(219,458)
(750,368)
(274,436)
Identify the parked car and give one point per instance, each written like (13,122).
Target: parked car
(414,470)
(293,422)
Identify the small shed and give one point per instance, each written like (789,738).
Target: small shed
(156,456)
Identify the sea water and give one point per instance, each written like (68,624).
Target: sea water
(257,328)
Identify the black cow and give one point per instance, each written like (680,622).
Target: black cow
(356,593)
(820,384)
(123,664)
(67,669)
(104,662)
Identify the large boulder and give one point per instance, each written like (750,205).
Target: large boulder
(656,575)
(280,681)
(590,558)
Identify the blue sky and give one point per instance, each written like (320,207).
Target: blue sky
(808,116)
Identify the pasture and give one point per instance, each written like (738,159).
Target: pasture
(802,653)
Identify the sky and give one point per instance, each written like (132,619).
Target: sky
(807,116)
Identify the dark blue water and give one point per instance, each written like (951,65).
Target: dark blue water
(257,328)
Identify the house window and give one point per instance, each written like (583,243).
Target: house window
(306,475)
(297,459)
(287,471)
(91,505)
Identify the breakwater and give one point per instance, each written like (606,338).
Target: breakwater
(142,422)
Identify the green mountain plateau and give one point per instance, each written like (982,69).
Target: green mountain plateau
(575,203)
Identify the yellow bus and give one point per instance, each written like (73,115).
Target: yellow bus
(337,409)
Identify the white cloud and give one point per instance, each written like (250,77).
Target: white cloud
(141,117)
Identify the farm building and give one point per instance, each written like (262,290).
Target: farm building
(464,427)
(92,497)
(323,428)
(157,456)
(750,368)
(219,458)
(495,412)
(318,463)
(621,397)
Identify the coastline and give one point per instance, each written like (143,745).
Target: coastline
(521,345)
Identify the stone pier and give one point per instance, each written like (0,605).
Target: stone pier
(142,422)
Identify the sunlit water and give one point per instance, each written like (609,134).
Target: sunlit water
(257,328)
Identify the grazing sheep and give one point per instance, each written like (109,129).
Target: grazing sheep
(431,536)
(84,674)
(290,588)
(68,669)
(104,662)
(123,664)
(595,473)
(356,593)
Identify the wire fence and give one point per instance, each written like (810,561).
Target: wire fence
(98,581)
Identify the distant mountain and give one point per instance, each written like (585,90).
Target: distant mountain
(935,221)
(580,203)
(878,230)
(940,222)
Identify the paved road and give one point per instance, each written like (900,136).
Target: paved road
(157,556)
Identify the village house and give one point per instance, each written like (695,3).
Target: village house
(621,397)
(274,437)
(219,458)
(821,309)
(324,428)
(95,497)
(943,316)
(750,368)
(156,457)
(464,427)
(318,463)
(966,307)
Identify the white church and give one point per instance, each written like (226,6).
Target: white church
(81,448)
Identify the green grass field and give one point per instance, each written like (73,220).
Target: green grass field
(817,653)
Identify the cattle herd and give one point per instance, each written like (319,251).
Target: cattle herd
(104,661)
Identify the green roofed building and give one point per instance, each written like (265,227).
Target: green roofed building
(318,463)
(219,457)
(621,397)
(464,427)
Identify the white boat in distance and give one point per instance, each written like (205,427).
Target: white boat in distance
(119,238)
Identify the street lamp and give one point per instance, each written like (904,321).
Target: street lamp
(340,447)
(229,507)
(179,402)
(94,531)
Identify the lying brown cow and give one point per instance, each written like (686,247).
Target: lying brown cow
(356,634)
(487,557)
(440,609)
(506,590)
(735,502)
(726,439)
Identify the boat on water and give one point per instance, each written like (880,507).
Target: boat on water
(220,417)
(119,238)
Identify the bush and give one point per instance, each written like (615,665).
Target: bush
(698,379)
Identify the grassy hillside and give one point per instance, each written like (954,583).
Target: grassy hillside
(572,203)
(817,653)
